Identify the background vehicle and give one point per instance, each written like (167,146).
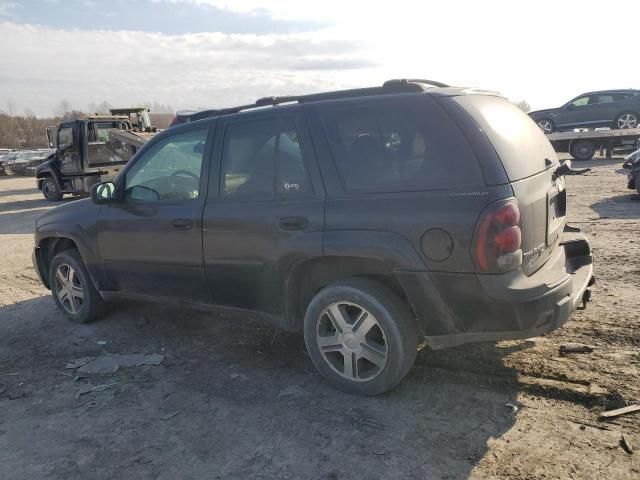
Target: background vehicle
(369,219)
(583,145)
(632,163)
(607,108)
(91,150)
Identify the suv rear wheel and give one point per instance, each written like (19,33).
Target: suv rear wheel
(360,336)
(626,120)
(72,288)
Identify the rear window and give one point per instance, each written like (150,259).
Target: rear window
(520,144)
(397,147)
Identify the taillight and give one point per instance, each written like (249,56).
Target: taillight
(498,238)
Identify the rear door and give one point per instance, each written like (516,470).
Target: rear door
(265,209)
(529,161)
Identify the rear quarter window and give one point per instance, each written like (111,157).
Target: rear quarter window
(518,141)
(398,146)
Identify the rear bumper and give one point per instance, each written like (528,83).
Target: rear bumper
(460,308)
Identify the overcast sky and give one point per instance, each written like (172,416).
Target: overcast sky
(210,53)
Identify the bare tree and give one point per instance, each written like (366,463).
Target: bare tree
(103,108)
(63,107)
(524,106)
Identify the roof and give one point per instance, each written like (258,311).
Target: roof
(613,90)
(389,87)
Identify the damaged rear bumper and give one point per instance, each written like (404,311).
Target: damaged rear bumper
(454,308)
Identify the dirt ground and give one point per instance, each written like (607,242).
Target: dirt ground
(235,399)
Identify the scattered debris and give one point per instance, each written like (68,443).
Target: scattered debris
(620,411)
(101,342)
(574,348)
(626,444)
(79,362)
(169,416)
(291,390)
(103,364)
(511,406)
(111,363)
(12,374)
(236,376)
(89,389)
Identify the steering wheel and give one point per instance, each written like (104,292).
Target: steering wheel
(184,181)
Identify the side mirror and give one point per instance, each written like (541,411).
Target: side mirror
(569,106)
(143,194)
(104,192)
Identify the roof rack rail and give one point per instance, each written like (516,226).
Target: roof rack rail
(388,87)
(397,81)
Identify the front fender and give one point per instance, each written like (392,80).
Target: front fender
(49,169)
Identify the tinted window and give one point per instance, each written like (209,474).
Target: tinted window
(262,158)
(170,170)
(516,138)
(65,137)
(100,132)
(395,147)
(603,98)
(618,97)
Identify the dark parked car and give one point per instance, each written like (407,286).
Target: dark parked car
(632,163)
(371,219)
(608,108)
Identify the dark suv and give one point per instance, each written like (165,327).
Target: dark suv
(372,219)
(607,108)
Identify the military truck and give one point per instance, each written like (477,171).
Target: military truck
(91,150)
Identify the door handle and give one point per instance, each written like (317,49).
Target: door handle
(182,224)
(293,223)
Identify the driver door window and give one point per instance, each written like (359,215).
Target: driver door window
(170,170)
(581,102)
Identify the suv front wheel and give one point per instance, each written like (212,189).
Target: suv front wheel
(72,288)
(360,336)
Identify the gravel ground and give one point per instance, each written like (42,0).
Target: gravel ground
(235,399)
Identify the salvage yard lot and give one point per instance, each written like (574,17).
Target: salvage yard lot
(235,399)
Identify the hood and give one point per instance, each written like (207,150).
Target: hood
(45,165)
(537,113)
(633,157)
(70,214)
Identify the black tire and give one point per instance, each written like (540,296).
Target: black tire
(546,125)
(582,150)
(91,305)
(393,319)
(50,190)
(626,120)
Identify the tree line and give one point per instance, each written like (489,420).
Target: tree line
(28,131)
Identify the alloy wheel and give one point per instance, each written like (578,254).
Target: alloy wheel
(49,189)
(545,126)
(352,341)
(68,288)
(627,120)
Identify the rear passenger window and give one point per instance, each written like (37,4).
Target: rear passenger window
(263,158)
(399,147)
